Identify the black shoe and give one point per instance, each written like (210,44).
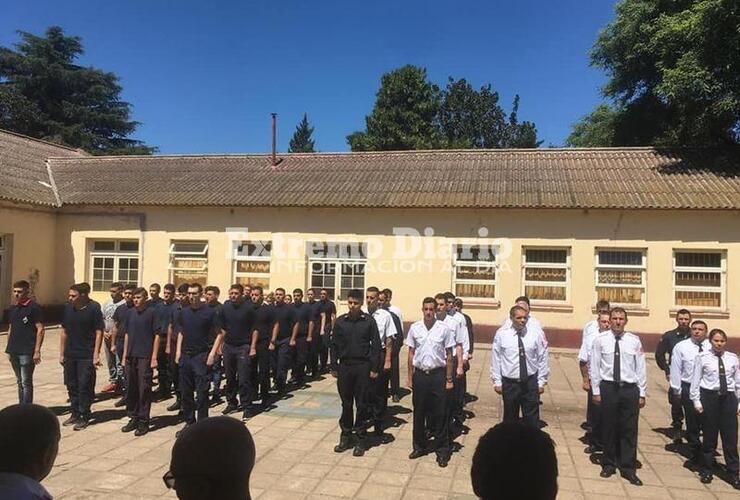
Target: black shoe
(442,461)
(142,429)
(585,426)
(382,437)
(705,478)
(417,454)
(358,451)
(121,402)
(632,478)
(592,448)
(230,408)
(395,398)
(179,433)
(70,421)
(607,472)
(174,406)
(216,399)
(82,423)
(132,425)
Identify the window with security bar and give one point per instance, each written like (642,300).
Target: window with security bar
(188,262)
(474,271)
(336,266)
(621,276)
(546,274)
(699,279)
(252,263)
(113,261)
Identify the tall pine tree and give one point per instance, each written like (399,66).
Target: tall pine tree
(302,141)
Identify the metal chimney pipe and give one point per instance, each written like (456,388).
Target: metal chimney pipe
(274,139)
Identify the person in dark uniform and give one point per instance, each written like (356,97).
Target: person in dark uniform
(81,337)
(285,329)
(154,291)
(164,309)
(355,359)
(302,339)
(264,323)
(119,326)
(140,348)
(430,344)
(173,329)
(471,342)
(663,352)
(312,363)
(197,323)
(238,317)
(394,375)
(25,337)
(715,390)
(618,384)
(328,312)
(211,295)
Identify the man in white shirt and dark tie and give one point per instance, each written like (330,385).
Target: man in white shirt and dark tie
(430,344)
(593,412)
(682,370)
(519,368)
(618,383)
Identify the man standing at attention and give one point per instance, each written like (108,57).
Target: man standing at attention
(663,352)
(111,360)
(25,337)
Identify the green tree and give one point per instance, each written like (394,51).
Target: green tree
(519,135)
(44,94)
(302,140)
(673,71)
(469,118)
(403,116)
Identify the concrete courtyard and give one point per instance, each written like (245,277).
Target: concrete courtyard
(295,440)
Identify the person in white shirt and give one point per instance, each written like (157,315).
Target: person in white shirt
(457,396)
(682,370)
(532,322)
(593,411)
(430,344)
(589,332)
(111,360)
(385,297)
(715,390)
(519,368)
(618,383)
(378,390)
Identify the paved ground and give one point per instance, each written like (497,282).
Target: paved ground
(295,440)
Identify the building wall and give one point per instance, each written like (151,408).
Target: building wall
(659,232)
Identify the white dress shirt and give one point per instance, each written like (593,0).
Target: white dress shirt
(631,361)
(682,361)
(587,340)
(462,333)
(386,328)
(505,355)
(395,310)
(706,375)
(19,487)
(430,345)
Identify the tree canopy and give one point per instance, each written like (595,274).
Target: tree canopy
(44,94)
(673,68)
(302,140)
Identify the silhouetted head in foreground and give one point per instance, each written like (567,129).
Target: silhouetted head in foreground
(212,459)
(29,440)
(513,460)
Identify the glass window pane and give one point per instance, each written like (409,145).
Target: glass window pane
(545,292)
(545,274)
(620,295)
(699,299)
(180,277)
(253,266)
(543,256)
(129,246)
(698,279)
(254,249)
(104,246)
(195,247)
(475,273)
(698,259)
(620,277)
(620,258)
(185,263)
(476,253)
(471,290)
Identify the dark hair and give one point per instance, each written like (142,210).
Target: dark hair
(699,322)
(513,460)
(130,286)
(373,289)
(458,302)
(85,287)
(79,288)
(142,291)
(449,296)
(183,288)
(29,432)
(683,311)
(170,287)
(618,310)
(237,286)
(522,298)
(214,289)
(155,285)
(602,305)
(298,290)
(117,284)
(195,285)
(25,285)
(388,292)
(280,289)
(717,331)
(514,309)
(355,294)
(428,300)
(258,288)
(440,296)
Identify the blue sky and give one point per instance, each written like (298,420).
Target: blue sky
(203,77)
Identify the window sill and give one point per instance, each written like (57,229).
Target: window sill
(702,313)
(478,302)
(631,310)
(551,307)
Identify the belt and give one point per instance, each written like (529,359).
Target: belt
(715,391)
(620,384)
(433,371)
(194,353)
(519,380)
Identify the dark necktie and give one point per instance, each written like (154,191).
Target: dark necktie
(617,364)
(722,378)
(522,358)
(700,347)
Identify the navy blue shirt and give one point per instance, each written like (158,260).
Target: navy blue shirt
(303,314)
(264,321)
(218,307)
(327,309)
(238,322)
(285,317)
(197,326)
(165,315)
(119,318)
(315,313)
(81,326)
(141,327)
(23,321)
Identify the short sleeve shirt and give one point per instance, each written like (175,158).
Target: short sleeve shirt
(141,327)
(23,319)
(81,326)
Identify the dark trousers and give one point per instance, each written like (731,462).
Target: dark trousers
(312,361)
(163,368)
(323,350)
(620,411)
(300,358)
(174,368)
(238,368)
(378,396)
(353,378)
(261,369)
(676,411)
(720,418)
(79,377)
(23,367)
(122,382)
(395,375)
(280,362)
(428,397)
(693,419)
(521,395)
(216,373)
(456,398)
(139,394)
(194,376)
(593,418)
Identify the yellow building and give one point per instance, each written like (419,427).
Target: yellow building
(653,230)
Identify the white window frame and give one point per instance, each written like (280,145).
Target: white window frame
(548,265)
(722,270)
(237,257)
(337,261)
(477,264)
(116,254)
(604,267)
(201,256)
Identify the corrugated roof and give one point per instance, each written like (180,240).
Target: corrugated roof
(624,178)
(23,168)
